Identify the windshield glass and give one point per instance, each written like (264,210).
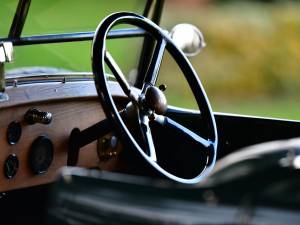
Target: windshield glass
(64,16)
(7,12)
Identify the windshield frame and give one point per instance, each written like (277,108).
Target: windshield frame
(22,10)
(153,10)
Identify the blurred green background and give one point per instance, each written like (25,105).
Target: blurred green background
(251,64)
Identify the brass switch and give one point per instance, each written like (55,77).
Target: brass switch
(34,115)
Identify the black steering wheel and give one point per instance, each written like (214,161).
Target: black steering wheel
(150,103)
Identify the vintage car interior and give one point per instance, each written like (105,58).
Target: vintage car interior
(91,147)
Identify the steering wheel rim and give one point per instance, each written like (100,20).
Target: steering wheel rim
(100,56)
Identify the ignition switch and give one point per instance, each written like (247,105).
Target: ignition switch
(34,115)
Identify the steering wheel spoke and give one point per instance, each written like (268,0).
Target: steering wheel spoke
(115,69)
(153,69)
(172,124)
(147,135)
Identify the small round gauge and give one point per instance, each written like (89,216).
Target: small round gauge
(11,166)
(14,132)
(41,154)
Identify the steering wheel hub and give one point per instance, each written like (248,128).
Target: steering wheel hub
(155,100)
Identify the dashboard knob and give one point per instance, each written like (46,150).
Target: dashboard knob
(11,166)
(34,115)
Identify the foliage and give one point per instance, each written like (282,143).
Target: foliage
(264,1)
(253,50)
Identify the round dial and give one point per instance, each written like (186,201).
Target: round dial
(11,166)
(14,132)
(41,154)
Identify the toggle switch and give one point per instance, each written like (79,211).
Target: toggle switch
(34,115)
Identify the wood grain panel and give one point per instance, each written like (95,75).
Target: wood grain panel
(53,91)
(72,105)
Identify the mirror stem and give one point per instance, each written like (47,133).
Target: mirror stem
(3,95)
(6,55)
(2,78)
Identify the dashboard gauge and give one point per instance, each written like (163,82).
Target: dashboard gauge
(41,155)
(11,166)
(14,132)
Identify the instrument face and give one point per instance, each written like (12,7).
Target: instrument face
(41,155)
(11,166)
(14,132)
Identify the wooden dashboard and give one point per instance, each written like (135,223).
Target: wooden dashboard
(72,104)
